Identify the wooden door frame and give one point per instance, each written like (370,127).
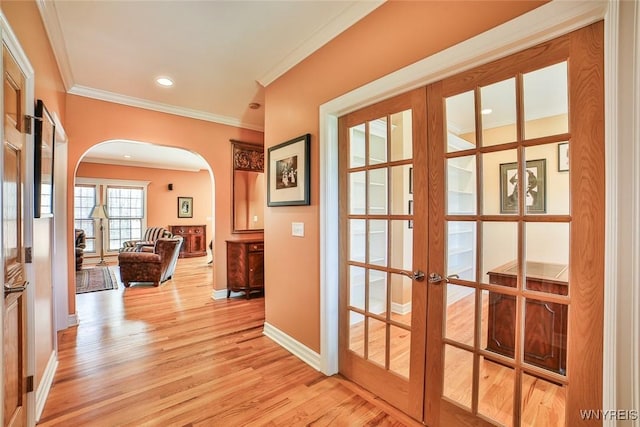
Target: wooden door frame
(540,25)
(13,46)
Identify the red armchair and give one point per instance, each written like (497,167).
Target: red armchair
(154,267)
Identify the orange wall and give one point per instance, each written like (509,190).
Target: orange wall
(90,122)
(162,204)
(391,37)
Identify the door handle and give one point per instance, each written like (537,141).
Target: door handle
(436,278)
(8,289)
(417,275)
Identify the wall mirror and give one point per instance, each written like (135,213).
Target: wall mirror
(248,187)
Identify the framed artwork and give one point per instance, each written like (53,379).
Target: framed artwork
(185,207)
(410,223)
(563,157)
(535,192)
(288,173)
(43,161)
(410,180)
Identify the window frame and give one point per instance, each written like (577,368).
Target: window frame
(102,184)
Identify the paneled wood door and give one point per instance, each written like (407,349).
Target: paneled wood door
(14,315)
(508,322)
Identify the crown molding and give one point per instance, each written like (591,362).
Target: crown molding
(53,29)
(344,20)
(104,95)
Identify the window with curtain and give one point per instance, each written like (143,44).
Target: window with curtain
(125,208)
(84,201)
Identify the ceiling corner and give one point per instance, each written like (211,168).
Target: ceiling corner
(348,17)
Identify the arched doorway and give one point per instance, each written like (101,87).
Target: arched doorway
(158,175)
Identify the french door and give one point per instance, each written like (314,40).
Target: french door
(382,307)
(468,298)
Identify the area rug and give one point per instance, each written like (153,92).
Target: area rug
(95,279)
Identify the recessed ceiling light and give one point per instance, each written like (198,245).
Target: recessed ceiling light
(486,111)
(164,81)
(126,156)
(254,105)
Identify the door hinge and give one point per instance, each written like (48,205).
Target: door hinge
(28,124)
(29,383)
(28,258)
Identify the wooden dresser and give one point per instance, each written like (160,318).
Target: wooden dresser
(195,239)
(245,266)
(545,341)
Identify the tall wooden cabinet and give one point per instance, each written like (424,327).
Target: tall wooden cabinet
(195,239)
(245,266)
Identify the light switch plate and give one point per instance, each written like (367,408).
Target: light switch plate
(297,229)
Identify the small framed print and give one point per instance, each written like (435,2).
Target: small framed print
(185,207)
(411,180)
(288,173)
(535,190)
(563,157)
(410,223)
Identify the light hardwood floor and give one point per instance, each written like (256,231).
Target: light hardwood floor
(172,356)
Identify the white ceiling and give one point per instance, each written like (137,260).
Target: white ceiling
(220,54)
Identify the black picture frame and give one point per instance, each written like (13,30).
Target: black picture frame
(563,157)
(410,180)
(44,151)
(536,191)
(185,207)
(288,173)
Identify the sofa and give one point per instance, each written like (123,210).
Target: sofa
(81,244)
(148,240)
(150,267)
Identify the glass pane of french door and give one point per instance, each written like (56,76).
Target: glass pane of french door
(381,238)
(381,348)
(507,248)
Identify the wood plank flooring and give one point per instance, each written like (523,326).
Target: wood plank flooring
(172,356)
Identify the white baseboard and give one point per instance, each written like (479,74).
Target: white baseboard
(298,349)
(72,320)
(219,294)
(401,308)
(42,392)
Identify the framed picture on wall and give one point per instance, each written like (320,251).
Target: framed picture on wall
(43,161)
(288,173)
(534,192)
(185,207)
(410,209)
(563,157)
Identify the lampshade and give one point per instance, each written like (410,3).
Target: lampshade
(99,212)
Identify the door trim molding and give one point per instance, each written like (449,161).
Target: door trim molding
(542,24)
(622,275)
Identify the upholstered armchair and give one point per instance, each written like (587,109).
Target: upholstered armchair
(146,243)
(81,244)
(155,267)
